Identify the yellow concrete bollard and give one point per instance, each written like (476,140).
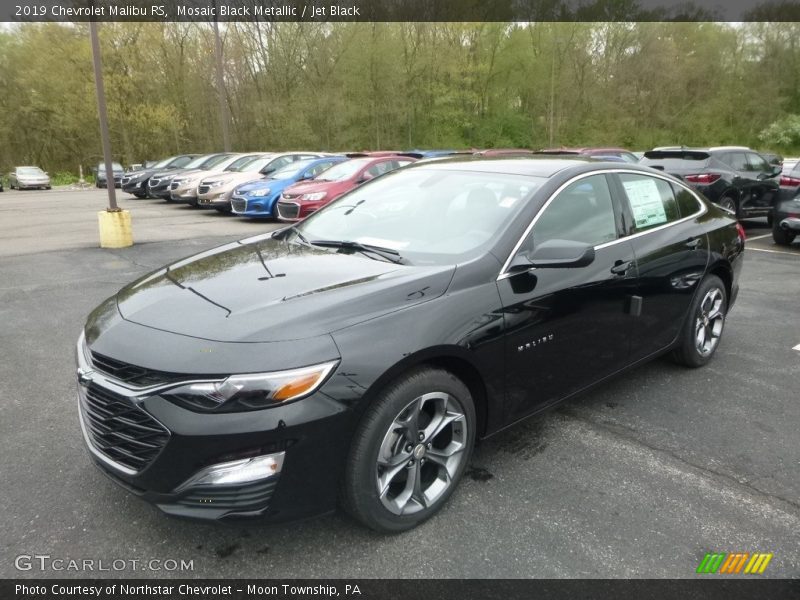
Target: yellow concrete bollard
(115,229)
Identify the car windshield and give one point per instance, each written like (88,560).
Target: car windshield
(163,163)
(428,216)
(179,162)
(291,169)
(206,161)
(344,170)
(256,163)
(29,171)
(241,163)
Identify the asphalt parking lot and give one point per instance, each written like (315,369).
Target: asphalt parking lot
(639,478)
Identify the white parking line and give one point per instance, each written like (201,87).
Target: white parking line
(797,348)
(758,237)
(772,251)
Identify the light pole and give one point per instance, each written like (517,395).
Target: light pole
(223,103)
(105,138)
(115,224)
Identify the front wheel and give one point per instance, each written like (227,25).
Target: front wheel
(703,328)
(410,451)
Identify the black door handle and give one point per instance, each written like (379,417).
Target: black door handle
(693,243)
(620,267)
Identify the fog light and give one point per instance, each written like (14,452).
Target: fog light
(237,472)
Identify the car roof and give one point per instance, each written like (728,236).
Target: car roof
(535,166)
(585,150)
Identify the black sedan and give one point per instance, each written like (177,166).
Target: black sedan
(355,357)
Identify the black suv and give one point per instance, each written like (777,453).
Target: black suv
(734,178)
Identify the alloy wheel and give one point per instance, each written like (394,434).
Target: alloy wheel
(421,452)
(709,322)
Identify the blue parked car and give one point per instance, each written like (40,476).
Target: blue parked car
(258,198)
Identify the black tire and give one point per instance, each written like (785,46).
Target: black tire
(770,218)
(688,352)
(49,187)
(782,237)
(422,391)
(729,203)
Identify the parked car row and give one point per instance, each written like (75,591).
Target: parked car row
(291,185)
(284,185)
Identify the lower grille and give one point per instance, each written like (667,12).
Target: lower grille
(248,497)
(120,430)
(288,210)
(203,189)
(239,205)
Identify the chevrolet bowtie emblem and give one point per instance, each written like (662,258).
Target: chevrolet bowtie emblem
(84,377)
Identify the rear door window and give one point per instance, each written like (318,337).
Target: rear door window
(651,201)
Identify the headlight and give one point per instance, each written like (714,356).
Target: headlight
(314,196)
(251,391)
(263,192)
(213,183)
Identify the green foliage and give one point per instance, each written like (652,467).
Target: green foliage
(353,86)
(66,178)
(783,133)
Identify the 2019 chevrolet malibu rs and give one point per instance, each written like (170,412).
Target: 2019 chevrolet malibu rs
(356,357)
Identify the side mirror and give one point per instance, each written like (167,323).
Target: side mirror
(268,170)
(306,176)
(364,178)
(554,254)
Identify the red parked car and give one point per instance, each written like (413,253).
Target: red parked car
(301,199)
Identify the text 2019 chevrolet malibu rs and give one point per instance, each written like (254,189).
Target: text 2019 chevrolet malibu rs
(355,357)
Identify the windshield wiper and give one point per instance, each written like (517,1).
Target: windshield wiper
(386,253)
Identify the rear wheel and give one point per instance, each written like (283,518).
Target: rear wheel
(410,451)
(703,328)
(782,237)
(730,204)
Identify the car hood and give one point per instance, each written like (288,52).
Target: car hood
(232,177)
(313,186)
(264,290)
(172,173)
(259,184)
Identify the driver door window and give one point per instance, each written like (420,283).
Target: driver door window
(583,212)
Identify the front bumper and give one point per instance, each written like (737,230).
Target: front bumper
(215,197)
(306,439)
(790,223)
(253,206)
(187,195)
(32,185)
(160,189)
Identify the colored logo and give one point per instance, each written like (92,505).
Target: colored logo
(735,563)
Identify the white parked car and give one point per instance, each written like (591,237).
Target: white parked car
(28,178)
